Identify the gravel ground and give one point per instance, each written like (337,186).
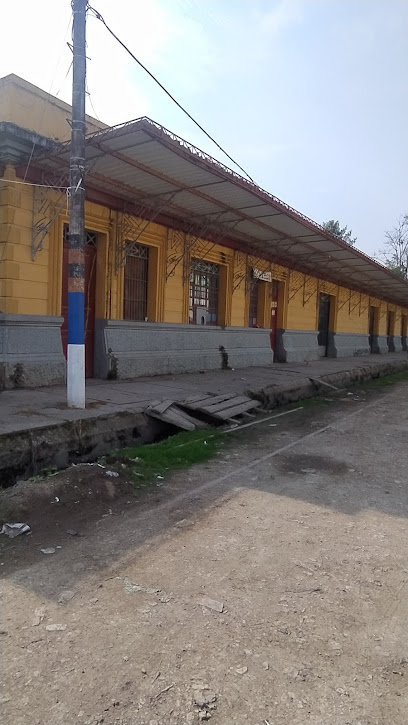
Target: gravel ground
(295,535)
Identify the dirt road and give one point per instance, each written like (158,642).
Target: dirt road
(297,530)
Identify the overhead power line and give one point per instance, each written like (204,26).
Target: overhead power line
(99,17)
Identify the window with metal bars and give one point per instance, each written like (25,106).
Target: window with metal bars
(253,302)
(204,290)
(135,283)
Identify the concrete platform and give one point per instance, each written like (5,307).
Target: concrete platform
(38,430)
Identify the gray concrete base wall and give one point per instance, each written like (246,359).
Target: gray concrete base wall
(131,349)
(398,344)
(382,344)
(300,345)
(351,344)
(30,351)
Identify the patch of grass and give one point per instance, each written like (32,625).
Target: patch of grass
(385,380)
(144,464)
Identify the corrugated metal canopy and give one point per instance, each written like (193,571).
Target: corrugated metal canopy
(142,162)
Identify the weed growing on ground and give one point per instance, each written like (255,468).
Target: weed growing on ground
(145,464)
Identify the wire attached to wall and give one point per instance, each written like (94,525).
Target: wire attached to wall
(98,16)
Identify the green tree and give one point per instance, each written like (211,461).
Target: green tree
(395,251)
(333,226)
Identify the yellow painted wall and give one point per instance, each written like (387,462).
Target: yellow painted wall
(31,108)
(34,286)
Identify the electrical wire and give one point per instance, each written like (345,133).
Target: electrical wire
(28,183)
(98,16)
(45,102)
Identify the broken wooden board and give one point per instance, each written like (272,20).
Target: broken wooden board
(222,407)
(169,412)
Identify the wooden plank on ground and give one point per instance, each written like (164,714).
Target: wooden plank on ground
(223,405)
(176,417)
(237,410)
(195,398)
(207,400)
(161,406)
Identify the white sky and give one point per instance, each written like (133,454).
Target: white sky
(310,96)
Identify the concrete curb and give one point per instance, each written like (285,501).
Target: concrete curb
(25,453)
(276,395)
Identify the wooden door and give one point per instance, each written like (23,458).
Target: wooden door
(390,331)
(324,323)
(372,327)
(90,289)
(274,313)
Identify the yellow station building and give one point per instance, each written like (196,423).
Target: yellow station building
(188,266)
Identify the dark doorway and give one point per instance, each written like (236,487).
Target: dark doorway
(390,330)
(90,289)
(373,329)
(274,314)
(324,324)
(404,332)
(254,303)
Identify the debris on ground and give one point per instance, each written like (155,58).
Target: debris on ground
(55,627)
(48,550)
(13,530)
(112,474)
(212,604)
(66,596)
(241,670)
(39,615)
(134,588)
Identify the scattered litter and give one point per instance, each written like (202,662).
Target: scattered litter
(273,425)
(39,615)
(134,588)
(265,665)
(48,550)
(308,470)
(72,532)
(58,547)
(93,600)
(55,627)
(113,474)
(212,604)
(204,715)
(56,499)
(66,596)
(241,670)
(182,523)
(13,530)
(205,702)
(165,689)
(161,478)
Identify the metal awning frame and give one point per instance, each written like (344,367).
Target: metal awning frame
(338,263)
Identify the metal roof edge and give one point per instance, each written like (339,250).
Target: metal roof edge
(181,145)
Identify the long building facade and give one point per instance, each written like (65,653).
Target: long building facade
(188,266)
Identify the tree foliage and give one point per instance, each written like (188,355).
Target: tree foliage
(395,251)
(333,226)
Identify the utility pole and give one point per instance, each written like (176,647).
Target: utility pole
(76,236)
